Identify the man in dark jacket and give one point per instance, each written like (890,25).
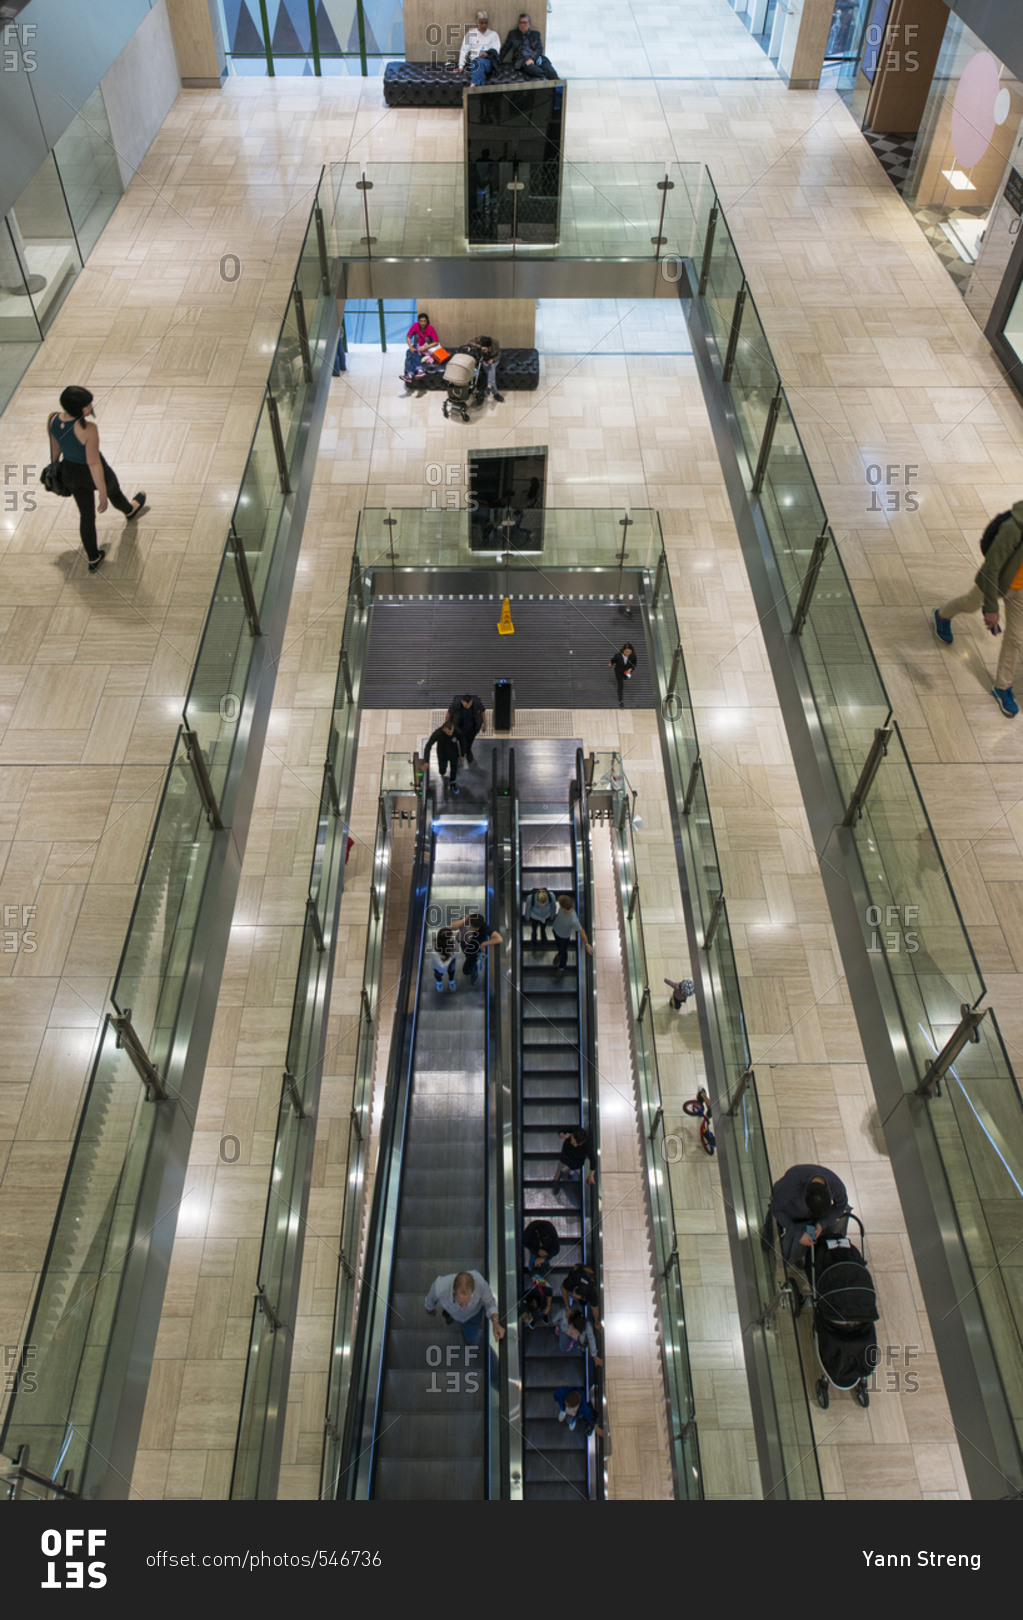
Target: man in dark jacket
(487,349)
(576,1148)
(447,751)
(468,715)
(542,1244)
(806,1202)
(1000,576)
(523,50)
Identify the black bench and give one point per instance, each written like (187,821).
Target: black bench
(434,84)
(516,369)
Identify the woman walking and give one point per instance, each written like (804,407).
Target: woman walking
(75,438)
(540,909)
(623,663)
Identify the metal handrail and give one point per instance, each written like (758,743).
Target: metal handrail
(359,1442)
(590,1199)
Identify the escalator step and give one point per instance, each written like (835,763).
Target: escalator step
(544,1490)
(447,1432)
(448,1246)
(425,1349)
(545,1114)
(541,1033)
(552,1005)
(550,1088)
(550,1060)
(408,1393)
(468,1133)
(467,1210)
(399,1479)
(570,1470)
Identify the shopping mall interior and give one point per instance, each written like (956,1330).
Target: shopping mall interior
(756,310)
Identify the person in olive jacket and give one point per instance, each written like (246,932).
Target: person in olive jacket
(1000,577)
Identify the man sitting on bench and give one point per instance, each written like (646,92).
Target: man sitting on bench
(523,50)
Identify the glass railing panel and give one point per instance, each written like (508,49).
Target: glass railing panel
(753,383)
(213,708)
(914,920)
(289,380)
(248,1452)
(847,687)
(583,537)
(156,954)
(790,503)
(604,210)
(724,279)
(71,1319)
(260,504)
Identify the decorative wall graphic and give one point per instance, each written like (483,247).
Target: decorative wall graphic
(980,104)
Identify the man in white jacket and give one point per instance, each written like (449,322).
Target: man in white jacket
(477,42)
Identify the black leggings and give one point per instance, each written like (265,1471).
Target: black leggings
(84,495)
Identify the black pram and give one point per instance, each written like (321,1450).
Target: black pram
(463,376)
(844,1313)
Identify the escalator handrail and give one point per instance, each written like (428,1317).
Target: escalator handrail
(590,1196)
(368,1350)
(512,1388)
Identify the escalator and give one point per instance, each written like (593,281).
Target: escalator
(418,1424)
(556,1035)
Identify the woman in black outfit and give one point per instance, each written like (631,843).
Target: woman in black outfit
(76,439)
(623,663)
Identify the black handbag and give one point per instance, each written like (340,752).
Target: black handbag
(52,479)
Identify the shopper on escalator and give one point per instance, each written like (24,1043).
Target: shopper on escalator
(448,753)
(468,715)
(579,1291)
(542,1245)
(576,1148)
(475,936)
(566,926)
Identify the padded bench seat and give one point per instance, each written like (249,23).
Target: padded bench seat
(516,369)
(433,84)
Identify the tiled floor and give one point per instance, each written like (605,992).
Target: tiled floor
(882,363)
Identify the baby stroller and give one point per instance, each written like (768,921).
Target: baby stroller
(463,375)
(844,1313)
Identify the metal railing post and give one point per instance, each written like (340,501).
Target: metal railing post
(364,185)
(967,1031)
(878,750)
(128,1041)
(733,336)
(197,761)
(708,249)
(278,439)
(658,241)
(713,920)
(766,442)
(245,583)
(303,333)
(687,802)
(813,568)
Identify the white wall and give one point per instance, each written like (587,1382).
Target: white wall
(140,89)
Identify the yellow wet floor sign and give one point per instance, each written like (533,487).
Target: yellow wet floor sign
(504,624)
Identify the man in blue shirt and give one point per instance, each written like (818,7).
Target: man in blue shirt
(574,1408)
